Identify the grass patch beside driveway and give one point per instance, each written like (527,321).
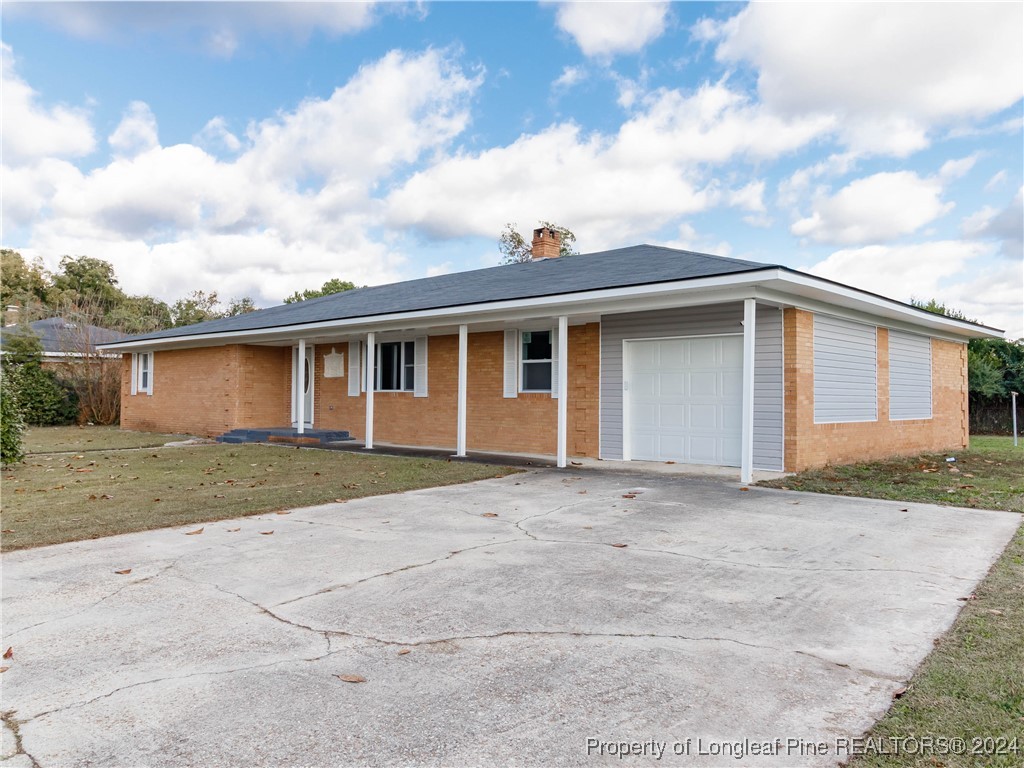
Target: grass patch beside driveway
(971,687)
(60,497)
(989,475)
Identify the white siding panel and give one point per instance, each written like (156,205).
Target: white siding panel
(910,376)
(845,371)
(698,321)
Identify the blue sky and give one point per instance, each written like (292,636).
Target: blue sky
(259,148)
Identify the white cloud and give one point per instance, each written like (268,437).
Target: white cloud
(873,209)
(750,197)
(996,181)
(570,76)
(951,271)
(217,28)
(30,130)
(891,76)
(957,169)
(137,131)
(653,170)
(293,206)
(606,29)
(1006,225)
(216,136)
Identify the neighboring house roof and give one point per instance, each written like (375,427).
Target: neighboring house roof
(621,268)
(61,337)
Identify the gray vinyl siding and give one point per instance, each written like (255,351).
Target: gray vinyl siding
(845,371)
(769,396)
(910,376)
(698,321)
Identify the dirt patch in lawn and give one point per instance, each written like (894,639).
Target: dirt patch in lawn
(55,498)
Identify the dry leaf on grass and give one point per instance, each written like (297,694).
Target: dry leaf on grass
(196,532)
(7,530)
(123,572)
(899,692)
(351,678)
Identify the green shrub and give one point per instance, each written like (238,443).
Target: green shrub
(12,425)
(46,399)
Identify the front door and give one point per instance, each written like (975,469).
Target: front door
(302,386)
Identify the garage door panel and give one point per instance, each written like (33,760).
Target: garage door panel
(705,384)
(683,399)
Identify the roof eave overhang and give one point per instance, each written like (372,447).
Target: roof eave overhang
(775,285)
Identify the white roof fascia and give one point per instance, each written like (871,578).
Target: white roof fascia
(821,295)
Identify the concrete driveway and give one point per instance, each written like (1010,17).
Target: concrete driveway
(529,638)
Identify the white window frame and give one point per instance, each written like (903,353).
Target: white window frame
(142,363)
(521,362)
(404,366)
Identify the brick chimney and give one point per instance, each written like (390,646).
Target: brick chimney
(547,243)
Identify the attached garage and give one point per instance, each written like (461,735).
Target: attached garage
(683,399)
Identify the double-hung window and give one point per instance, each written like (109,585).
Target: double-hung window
(142,373)
(536,358)
(395,366)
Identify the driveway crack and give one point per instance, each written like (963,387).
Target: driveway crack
(14,726)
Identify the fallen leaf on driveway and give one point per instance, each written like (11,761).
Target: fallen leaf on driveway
(266,533)
(340,501)
(899,692)
(403,652)
(3,669)
(489,514)
(196,532)
(283,512)
(629,495)
(351,678)
(620,546)
(576,463)
(123,572)
(744,488)
(9,653)
(580,491)
(233,530)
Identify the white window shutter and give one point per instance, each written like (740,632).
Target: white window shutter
(135,373)
(152,359)
(511,378)
(353,369)
(554,362)
(420,385)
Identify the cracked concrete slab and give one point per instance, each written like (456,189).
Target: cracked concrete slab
(494,623)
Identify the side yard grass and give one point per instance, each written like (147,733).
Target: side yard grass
(84,438)
(971,687)
(57,497)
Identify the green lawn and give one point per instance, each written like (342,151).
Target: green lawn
(57,497)
(989,475)
(79,439)
(971,686)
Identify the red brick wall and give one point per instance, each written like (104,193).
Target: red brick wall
(813,445)
(527,423)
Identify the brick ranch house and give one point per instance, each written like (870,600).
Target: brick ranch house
(639,353)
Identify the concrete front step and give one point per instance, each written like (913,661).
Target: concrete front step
(284,435)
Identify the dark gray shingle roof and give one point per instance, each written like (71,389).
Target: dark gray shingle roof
(636,265)
(59,335)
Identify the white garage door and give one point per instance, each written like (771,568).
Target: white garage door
(684,400)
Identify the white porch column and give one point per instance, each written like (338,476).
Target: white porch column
(460,438)
(370,385)
(300,389)
(563,388)
(747,434)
